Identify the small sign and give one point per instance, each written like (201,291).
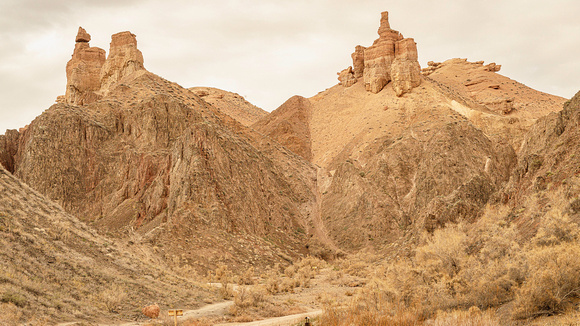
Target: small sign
(175,312)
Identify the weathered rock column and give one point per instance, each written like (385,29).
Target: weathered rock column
(83,71)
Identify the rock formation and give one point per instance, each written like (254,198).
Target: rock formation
(347,77)
(90,76)
(83,71)
(390,58)
(405,70)
(124,59)
(8,149)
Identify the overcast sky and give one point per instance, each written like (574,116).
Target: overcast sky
(270,50)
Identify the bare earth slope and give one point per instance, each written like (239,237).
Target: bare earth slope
(54,266)
(393,163)
(289,125)
(231,104)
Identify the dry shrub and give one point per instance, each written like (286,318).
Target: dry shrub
(249,297)
(553,284)
(360,264)
(252,302)
(472,317)
(374,304)
(223,274)
(556,228)
(112,298)
(360,314)
(272,282)
(247,278)
(226,291)
(299,274)
(458,267)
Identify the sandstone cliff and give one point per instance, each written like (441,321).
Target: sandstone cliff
(390,58)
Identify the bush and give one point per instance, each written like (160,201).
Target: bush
(14,298)
(112,298)
(553,284)
(248,297)
(555,229)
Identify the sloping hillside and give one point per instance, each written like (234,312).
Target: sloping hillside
(231,104)
(54,266)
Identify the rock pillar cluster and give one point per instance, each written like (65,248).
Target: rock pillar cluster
(90,74)
(391,58)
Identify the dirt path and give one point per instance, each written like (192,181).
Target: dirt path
(278,321)
(216,309)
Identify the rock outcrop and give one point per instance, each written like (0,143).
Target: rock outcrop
(8,149)
(83,71)
(391,58)
(90,75)
(347,77)
(124,59)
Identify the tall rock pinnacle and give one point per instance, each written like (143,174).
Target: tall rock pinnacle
(390,58)
(83,71)
(90,75)
(124,59)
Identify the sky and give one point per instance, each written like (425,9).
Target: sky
(268,51)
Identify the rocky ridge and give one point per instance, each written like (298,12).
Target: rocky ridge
(232,104)
(391,58)
(152,157)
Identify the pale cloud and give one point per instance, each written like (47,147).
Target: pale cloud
(271,50)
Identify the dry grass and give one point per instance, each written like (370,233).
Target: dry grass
(479,267)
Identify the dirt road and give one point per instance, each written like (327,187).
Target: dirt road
(278,321)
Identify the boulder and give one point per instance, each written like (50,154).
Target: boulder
(151,311)
(83,36)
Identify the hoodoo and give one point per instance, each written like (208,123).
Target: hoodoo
(391,58)
(90,76)
(83,71)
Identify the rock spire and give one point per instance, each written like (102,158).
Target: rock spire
(391,58)
(90,75)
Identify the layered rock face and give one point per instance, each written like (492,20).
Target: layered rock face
(90,76)
(391,58)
